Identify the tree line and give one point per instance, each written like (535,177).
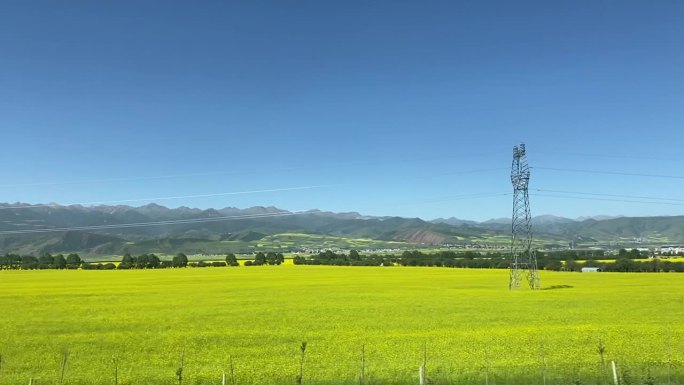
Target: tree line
(352,259)
(270,258)
(45,261)
(128,261)
(554,261)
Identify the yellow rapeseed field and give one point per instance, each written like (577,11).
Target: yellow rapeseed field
(133,325)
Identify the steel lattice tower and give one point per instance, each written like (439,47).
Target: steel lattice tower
(522,256)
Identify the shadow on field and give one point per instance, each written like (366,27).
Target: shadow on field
(554,287)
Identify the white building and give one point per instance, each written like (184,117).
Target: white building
(673,250)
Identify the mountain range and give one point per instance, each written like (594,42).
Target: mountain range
(114,230)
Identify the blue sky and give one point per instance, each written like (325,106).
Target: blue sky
(382,107)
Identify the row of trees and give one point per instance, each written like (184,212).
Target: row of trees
(557,261)
(351,259)
(74,261)
(45,261)
(151,261)
(629,265)
(143,261)
(271,258)
(475,260)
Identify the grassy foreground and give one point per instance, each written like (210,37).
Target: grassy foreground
(475,329)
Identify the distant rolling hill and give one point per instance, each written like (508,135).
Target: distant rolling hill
(110,230)
(103,230)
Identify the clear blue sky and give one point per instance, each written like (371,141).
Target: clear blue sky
(405,108)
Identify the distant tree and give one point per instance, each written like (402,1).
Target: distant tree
(147,261)
(677,267)
(91,266)
(45,261)
(12,261)
(141,261)
(128,259)
(231,260)
(571,265)
(124,266)
(654,265)
(354,255)
(29,262)
(180,260)
(625,265)
(73,261)
(259,259)
(153,261)
(59,262)
(555,265)
(271,258)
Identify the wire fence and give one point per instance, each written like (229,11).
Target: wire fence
(237,372)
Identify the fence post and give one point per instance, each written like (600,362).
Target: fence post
(362,379)
(232,371)
(602,367)
(669,355)
(300,378)
(421,370)
(179,372)
(486,367)
(65,356)
(543,362)
(615,376)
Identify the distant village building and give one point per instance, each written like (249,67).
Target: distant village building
(591,269)
(672,250)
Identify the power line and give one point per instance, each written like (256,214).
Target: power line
(146,224)
(586,196)
(610,172)
(125,179)
(236,172)
(610,195)
(462,172)
(202,220)
(610,156)
(171,197)
(457,198)
(609,200)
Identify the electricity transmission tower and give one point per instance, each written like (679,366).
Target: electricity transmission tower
(522,256)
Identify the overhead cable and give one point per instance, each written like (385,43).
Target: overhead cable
(610,172)
(157,223)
